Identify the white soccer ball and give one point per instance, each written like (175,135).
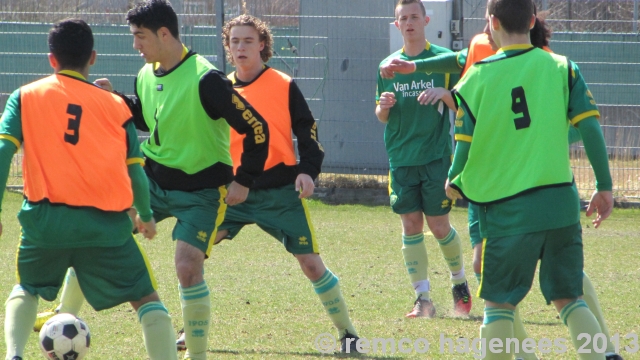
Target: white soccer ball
(64,337)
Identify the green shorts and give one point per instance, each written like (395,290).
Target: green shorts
(474,225)
(198,213)
(280,213)
(420,188)
(108,276)
(509,265)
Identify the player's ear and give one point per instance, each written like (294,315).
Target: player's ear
(396,24)
(494,22)
(533,22)
(52,61)
(426,20)
(92,59)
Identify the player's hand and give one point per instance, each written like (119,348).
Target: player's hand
(236,194)
(104,83)
(304,185)
(602,203)
(388,70)
(387,100)
(452,193)
(432,96)
(147,229)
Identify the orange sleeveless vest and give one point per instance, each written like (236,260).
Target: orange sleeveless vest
(479,49)
(269,95)
(75,145)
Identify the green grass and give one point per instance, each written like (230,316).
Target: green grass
(264,307)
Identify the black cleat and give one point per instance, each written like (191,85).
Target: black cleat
(613,356)
(348,344)
(461,299)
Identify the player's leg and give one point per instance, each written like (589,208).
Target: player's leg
(283,215)
(509,265)
(436,207)
(199,214)
(40,273)
(591,298)
(156,327)
(115,275)
(71,298)
(561,282)
(405,200)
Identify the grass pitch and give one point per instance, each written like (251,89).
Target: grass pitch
(264,307)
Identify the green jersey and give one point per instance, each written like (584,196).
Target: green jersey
(546,208)
(188,111)
(534,150)
(202,142)
(416,134)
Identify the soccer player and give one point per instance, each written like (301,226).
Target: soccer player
(76,135)
(187,105)
(481,47)
(530,169)
(276,202)
(419,147)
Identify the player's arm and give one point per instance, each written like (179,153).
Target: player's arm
(444,63)
(220,100)
(385,100)
(583,114)
(10,139)
(451,62)
(464,127)
(139,183)
(133,102)
(310,150)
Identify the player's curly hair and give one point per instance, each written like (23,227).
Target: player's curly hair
(264,35)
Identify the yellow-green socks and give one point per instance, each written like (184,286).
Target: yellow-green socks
(196,312)
(21,309)
(72,297)
(452,251)
(591,298)
(159,337)
(577,316)
(328,290)
(498,324)
(520,333)
(416,261)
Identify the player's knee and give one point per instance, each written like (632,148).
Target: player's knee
(188,273)
(477,266)
(312,266)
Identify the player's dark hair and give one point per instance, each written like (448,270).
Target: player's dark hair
(407,2)
(514,15)
(153,15)
(541,32)
(264,34)
(71,43)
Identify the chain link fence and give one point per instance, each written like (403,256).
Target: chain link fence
(332,48)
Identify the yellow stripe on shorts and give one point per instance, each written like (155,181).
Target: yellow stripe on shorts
(154,283)
(311,229)
(484,244)
(222,209)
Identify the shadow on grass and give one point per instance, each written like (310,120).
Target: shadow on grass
(305,354)
(475,318)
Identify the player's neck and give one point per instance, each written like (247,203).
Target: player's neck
(514,39)
(250,72)
(172,56)
(414,48)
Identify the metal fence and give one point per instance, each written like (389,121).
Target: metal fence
(333,47)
